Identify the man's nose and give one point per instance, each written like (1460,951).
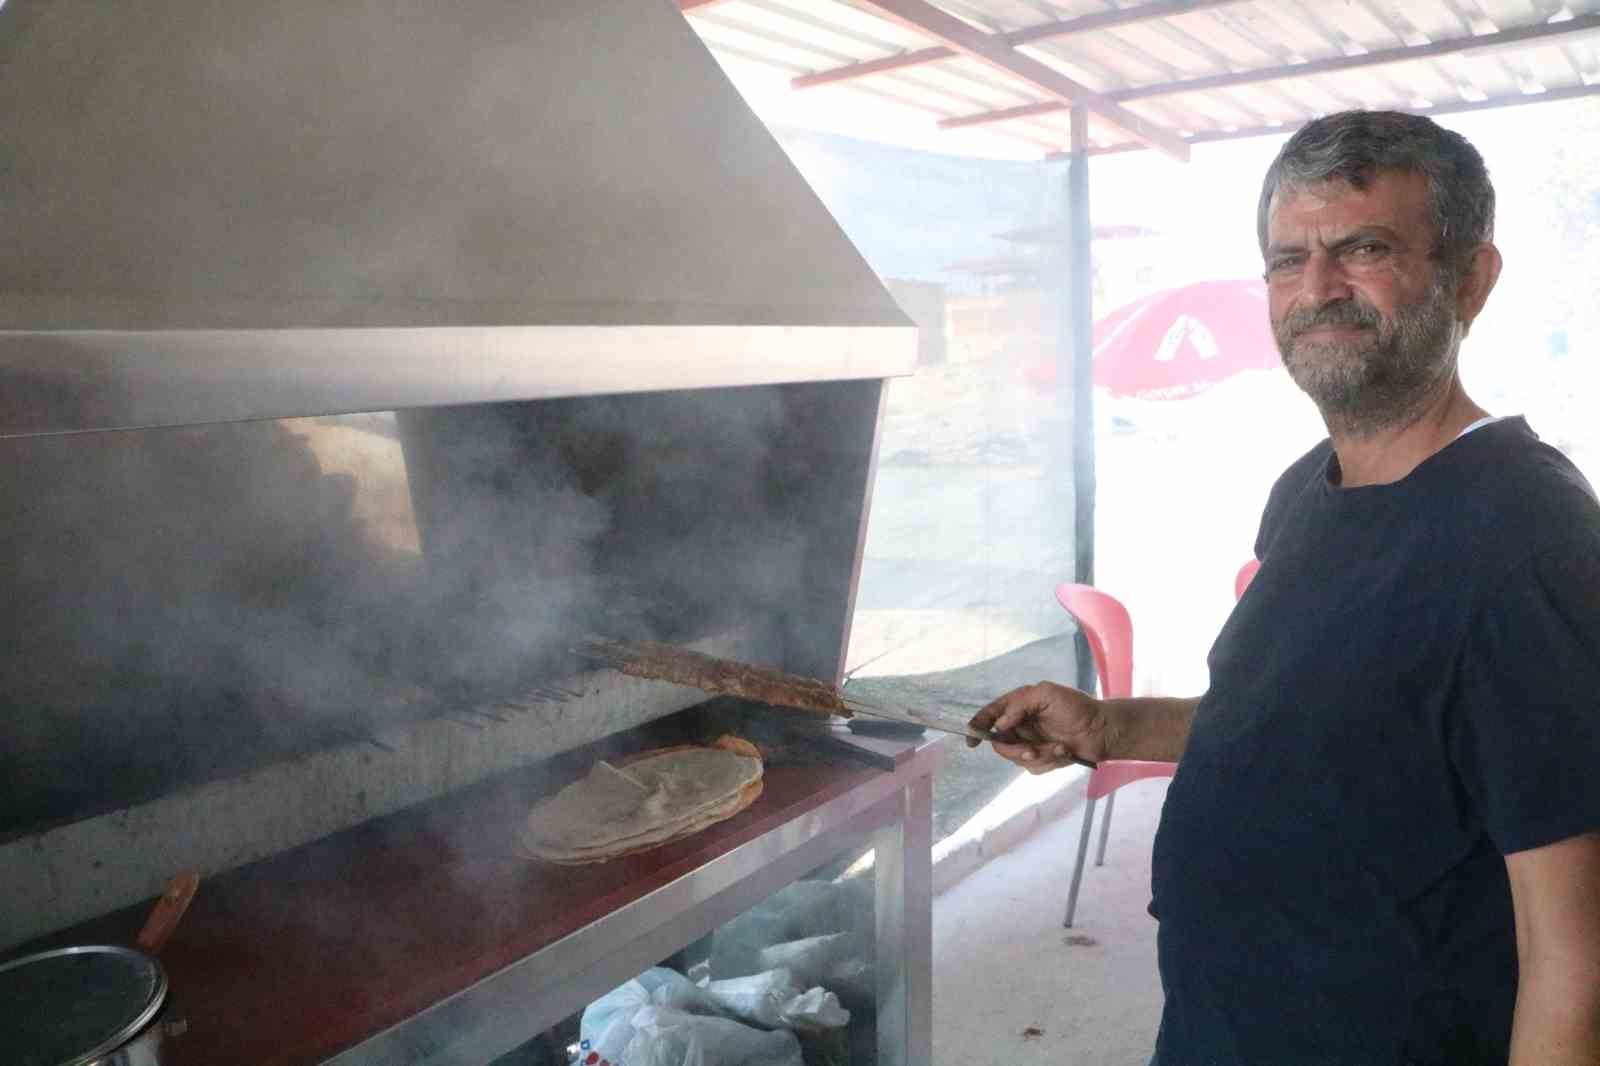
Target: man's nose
(1323,280)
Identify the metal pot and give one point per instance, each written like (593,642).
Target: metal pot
(99,1005)
(96,1005)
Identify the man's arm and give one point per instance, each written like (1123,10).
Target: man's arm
(1555,891)
(1053,725)
(1149,727)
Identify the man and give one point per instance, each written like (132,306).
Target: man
(1381,843)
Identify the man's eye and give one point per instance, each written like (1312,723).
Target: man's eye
(1367,251)
(1284,265)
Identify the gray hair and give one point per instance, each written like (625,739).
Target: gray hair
(1354,146)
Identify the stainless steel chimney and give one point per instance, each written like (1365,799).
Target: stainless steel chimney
(234,210)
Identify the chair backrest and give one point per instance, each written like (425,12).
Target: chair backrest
(1242,579)
(1109,630)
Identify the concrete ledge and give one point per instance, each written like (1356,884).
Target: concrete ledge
(1010,818)
(956,862)
(1007,834)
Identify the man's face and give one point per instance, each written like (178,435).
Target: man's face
(1363,318)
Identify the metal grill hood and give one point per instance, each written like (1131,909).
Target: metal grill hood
(228,209)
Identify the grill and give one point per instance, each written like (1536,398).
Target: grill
(339,409)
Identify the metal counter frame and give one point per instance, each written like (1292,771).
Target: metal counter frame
(893,812)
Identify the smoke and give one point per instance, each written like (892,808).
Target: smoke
(195,602)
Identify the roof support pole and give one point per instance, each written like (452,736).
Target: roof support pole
(1075,370)
(1081,272)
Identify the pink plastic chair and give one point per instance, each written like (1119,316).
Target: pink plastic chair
(1246,574)
(1109,631)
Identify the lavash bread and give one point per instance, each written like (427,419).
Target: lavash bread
(652,798)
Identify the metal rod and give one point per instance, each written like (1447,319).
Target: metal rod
(1099,20)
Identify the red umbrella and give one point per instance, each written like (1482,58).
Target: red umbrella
(1178,342)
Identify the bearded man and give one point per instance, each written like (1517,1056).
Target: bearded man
(1382,843)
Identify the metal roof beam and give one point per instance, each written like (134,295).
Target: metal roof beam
(1043,107)
(1571,92)
(1522,35)
(1100,20)
(993,50)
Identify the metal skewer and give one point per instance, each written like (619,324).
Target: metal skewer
(900,714)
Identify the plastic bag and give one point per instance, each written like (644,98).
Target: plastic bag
(664,1036)
(606,1028)
(775,999)
(835,962)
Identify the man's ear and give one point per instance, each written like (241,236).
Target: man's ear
(1483,270)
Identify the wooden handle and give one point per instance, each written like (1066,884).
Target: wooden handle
(167,913)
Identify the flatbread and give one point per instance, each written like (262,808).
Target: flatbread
(656,797)
(647,841)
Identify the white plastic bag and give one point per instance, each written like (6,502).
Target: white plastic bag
(664,1036)
(606,1028)
(775,999)
(835,962)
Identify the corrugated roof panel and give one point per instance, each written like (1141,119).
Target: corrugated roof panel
(1300,39)
(722,51)
(1586,58)
(1246,35)
(1453,21)
(964,70)
(1101,133)
(1189,55)
(1379,25)
(996,16)
(1431,82)
(1070,9)
(847,17)
(964,90)
(1492,74)
(1348,36)
(1505,13)
(1111,53)
(1057,134)
(1554,64)
(1272,102)
(1241,34)
(1428,20)
(808,23)
(1172,112)
(1307,96)
(1365,89)
(1096,75)
(901,95)
(726,30)
(1210,112)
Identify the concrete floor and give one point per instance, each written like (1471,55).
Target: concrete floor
(1011,986)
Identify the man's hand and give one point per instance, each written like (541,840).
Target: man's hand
(1051,725)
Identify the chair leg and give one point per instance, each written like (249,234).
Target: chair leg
(1105,829)
(1077,867)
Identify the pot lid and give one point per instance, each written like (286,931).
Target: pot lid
(71,1006)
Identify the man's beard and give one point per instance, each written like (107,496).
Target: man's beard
(1365,385)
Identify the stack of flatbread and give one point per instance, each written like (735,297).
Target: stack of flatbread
(649,800)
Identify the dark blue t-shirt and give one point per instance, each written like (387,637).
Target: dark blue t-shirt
(1408,691)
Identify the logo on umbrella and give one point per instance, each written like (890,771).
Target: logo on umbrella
(1179,342)
(1187,328)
